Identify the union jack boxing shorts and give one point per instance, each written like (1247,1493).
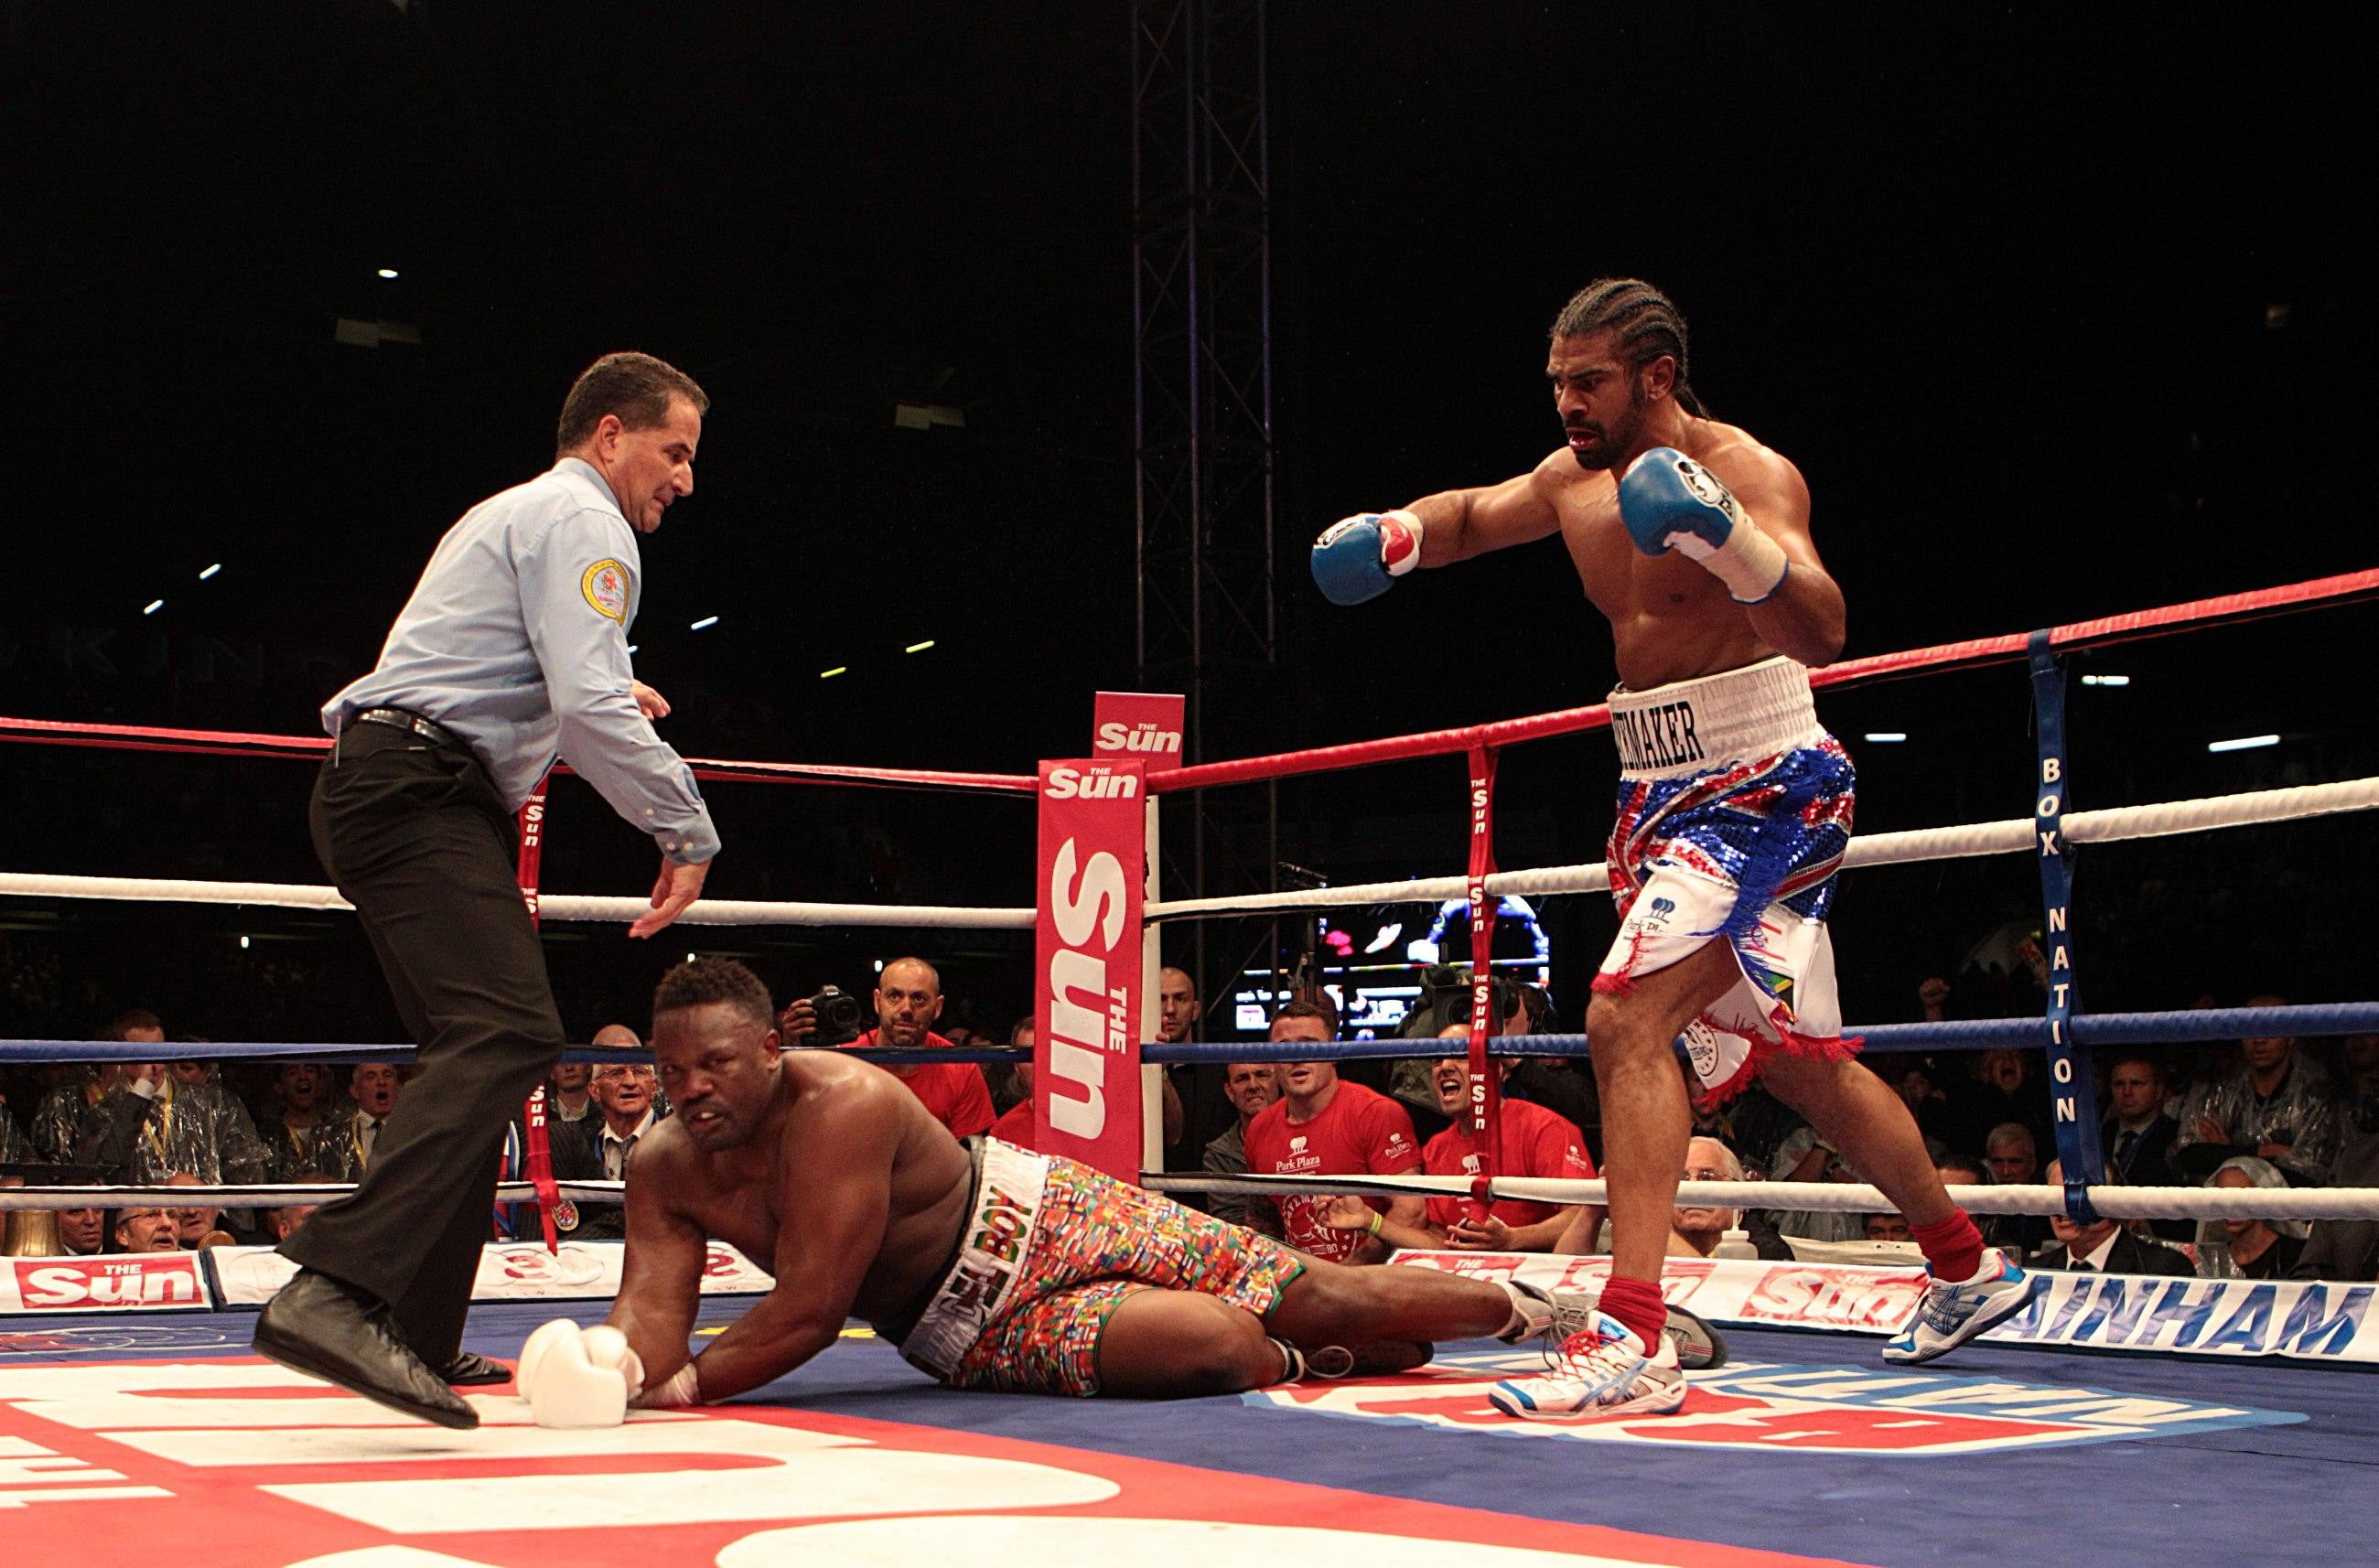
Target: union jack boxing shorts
(1734,812)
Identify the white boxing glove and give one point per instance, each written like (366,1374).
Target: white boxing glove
(575,1378)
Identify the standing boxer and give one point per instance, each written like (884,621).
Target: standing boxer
(1735,810)
(512,652)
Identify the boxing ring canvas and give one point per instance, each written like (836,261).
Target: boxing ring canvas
(1804,1448)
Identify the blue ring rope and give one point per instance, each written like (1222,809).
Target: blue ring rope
(2095,1031)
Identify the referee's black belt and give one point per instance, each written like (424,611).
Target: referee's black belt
(428,729)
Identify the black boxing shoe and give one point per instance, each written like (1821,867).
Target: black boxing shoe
(324,1329)
(466,1370)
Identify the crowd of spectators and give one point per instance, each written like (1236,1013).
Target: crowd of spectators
(2268,1113)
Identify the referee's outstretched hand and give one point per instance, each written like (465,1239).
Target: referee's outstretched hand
(675,891)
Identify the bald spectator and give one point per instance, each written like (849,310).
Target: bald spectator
(146,1230)
(1253,1088)
(1530,1142)
(1323,1127)
(1017,1125)
(569,1100)
(2103,1247)
(908,1001)
(2277,1108)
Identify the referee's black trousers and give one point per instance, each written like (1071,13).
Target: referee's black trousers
(419,840)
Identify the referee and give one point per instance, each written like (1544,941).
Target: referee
(513,651)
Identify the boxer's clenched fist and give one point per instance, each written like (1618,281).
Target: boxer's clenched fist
(1358,558)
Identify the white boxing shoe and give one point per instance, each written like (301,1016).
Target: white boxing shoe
(1951,1312)
(1603,1370)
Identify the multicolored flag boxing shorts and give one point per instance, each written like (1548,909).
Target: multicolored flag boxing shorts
(1051,1248)
(1734,812)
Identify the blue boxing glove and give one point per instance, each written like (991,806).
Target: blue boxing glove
(1360,558)
(1668,501)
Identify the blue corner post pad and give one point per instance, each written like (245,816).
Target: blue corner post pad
(2072,1083)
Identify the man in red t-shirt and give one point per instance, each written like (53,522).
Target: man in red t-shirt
(1016,1127)
(1324,1127)
(1533,1141)
(908,1000)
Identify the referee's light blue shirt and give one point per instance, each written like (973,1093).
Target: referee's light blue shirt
(516,639)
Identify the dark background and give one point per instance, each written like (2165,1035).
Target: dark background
(2059,315)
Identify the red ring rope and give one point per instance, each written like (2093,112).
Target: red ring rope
(2226,608)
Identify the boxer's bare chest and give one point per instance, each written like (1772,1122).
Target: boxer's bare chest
(1670,618)
(929,1187)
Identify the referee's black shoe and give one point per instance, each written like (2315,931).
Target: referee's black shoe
(467,1371)
(327,1329)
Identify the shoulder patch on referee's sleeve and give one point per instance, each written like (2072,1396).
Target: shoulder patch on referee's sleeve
(605,587)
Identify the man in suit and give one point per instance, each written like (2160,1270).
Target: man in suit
(2105,1247)
(607,1143)
(2137,1135)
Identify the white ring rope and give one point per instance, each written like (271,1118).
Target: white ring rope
(1792,1197)
(260,1197)
(1832,1196)
(2112,825)
(552,906)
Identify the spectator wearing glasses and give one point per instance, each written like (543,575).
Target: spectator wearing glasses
(147,1230)
(623,1095)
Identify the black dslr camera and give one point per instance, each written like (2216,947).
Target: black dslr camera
(838,1017)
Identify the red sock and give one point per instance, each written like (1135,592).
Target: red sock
(1637,1305)
(1953,1247)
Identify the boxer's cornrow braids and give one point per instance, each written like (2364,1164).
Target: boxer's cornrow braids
(1647,323)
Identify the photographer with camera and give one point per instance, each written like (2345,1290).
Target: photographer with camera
(908,1000)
